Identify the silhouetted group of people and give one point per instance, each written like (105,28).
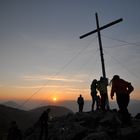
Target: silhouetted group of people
(120,87)
(101,98)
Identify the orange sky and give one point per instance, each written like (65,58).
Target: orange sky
(48,93)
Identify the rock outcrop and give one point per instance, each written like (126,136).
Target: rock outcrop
(88,126)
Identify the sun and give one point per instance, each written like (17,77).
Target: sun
(54,99)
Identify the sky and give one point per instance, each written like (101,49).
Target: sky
(42,57)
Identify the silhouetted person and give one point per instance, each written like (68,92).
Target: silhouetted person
(14,132)
(102,87)
(44,118)
(93,93)
(122,89)
(80,102)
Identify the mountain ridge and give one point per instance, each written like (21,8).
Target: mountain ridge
(24,118)
(133,106)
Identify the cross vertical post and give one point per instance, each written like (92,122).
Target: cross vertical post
(102,58)
(100,46)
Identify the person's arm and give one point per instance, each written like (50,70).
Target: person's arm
(130,88)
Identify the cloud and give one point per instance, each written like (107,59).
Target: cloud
(39,86)
(78,89)
(52,78)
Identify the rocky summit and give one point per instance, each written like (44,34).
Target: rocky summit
(96,125)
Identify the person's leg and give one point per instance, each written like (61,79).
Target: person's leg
(97,104)
(81,107)
(41,133)
(93,102)
(103,101)
(122,101)
(126,114)
(46,133)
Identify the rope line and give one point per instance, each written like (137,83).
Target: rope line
(122,65)
(127,43)
(57,73)
(123,45)
(81,68)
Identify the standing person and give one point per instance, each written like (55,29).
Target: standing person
(44,118)
(14,132)
(102,87)
(80,102)
(93,93)
(122,89)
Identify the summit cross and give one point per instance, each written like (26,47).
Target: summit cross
(100,43)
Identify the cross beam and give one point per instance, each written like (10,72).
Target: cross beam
(100,44)
(101,28)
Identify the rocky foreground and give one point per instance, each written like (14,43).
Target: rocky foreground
(88,126)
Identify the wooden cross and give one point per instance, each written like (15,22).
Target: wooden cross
(100,42)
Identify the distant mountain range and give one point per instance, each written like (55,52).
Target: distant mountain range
(26,119)
(134,105)
(56,111)
(8,114)
(14,105)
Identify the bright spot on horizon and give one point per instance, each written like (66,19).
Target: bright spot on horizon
(54,99)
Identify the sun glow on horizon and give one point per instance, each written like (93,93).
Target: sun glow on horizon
(54,99)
